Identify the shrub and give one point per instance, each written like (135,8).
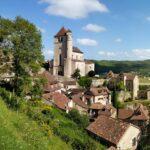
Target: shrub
(91,73)
(77,145)
(85,82)
(81,120)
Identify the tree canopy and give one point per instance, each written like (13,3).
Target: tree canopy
(76,74)
(20,48)
(85,82)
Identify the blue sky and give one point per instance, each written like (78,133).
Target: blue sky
(102,29)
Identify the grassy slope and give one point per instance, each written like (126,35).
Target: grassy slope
(142,67)
(17,131)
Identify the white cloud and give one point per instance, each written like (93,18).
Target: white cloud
(148,18)
(94,28)
(119,40)
(87,42)
(106,53)
(41,30)
(73,9)
(141,53)
(135,54)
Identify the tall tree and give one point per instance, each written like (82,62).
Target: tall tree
(26,47)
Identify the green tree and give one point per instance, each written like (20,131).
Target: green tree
(120,86)
(116,103)
(85,82)
(22,40)
(76,74)
(91,73)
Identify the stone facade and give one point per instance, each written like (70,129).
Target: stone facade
(131,82)
(68,58)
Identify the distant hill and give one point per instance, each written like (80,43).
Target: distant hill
(140,67)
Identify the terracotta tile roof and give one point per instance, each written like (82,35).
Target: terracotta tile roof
(107,110)
(52,82)
(125,113)
(51,88)
(77,91)
(108,128)
(97,106)
(77,100)
(62,32)
(97,91)
(51,79)
(129,76)
(77,50)
(141,113)
(60,100)
(69,82)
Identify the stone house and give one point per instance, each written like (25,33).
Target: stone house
(68,85)
(52,84)
(97,109)
(138,116)
(130,81)
(58,100)
(68,58)
(79,104)
(115,133)
(97,95)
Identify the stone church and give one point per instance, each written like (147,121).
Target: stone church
(68,58)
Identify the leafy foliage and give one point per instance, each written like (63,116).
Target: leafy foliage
(117,104)
(91,73)
(20,42)
(55,122)
(81,120)
(18,132)
(76,74)
(85,82)
(140,67)
(120,86)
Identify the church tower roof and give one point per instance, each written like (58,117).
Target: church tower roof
(62,32)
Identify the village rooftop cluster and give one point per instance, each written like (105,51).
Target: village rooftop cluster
(117,126)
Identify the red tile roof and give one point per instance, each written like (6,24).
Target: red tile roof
(97,106)
(97,91)
(108,128)
(77,50)
(51,79)
(62,32)
(140,113)
(69,82)
(58,99)
(125,113)
(77,100)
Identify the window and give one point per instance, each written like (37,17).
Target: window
(133,141)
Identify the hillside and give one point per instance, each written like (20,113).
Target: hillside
(141,67)
(35,125)
(18,132)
